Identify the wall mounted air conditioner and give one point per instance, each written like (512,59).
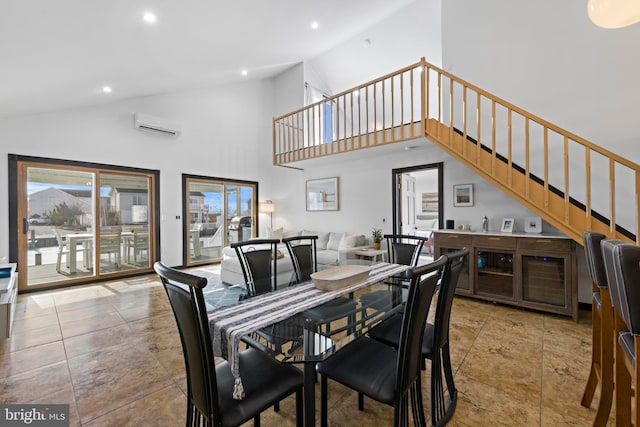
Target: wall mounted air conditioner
(157,125)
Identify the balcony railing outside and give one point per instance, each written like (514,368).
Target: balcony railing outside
(553,172)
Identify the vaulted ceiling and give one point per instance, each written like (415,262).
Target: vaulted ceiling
(60,54)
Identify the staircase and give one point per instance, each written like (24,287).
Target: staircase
(551,171)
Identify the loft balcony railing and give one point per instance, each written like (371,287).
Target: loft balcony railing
(385,110)
(551,171)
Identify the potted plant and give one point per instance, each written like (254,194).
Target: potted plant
(376,233)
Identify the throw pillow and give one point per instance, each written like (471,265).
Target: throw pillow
(290,233)
(274,233)
(349,241)
(334,241)
(323,238)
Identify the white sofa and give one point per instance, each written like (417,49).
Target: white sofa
(332,249)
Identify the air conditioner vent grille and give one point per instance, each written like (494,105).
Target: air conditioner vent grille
(157,125)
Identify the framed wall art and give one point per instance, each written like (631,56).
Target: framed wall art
(463,195)
(430,202)
(507,225)
(323,194)
(533,224)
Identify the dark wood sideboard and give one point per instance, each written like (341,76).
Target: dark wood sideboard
(536,271)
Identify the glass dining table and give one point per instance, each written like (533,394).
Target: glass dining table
(275,322)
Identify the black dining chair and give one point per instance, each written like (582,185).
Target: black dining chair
(258,261)
(384,373)
(401,249)
(210,387)
(303,253)
(435,344)
(602,347)
(622,264)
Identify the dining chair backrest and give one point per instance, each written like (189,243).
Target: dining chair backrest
(593,254)
(404,249)
(140,238)
(110,241)
(187,302)
(258,260)
(451,274)
(59,238)
(303,253)
(424,280)
(622,263)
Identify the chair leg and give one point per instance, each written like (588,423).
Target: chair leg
(636,382)
(276,407)
(256,421)
(360,402)
(189,412)
(416,404)
(606,344)
(596,345)
(437,390)
(401,412)
(622,382)
(448,373)
(323,401)
(299,408)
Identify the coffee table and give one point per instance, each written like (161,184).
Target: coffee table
(372,254)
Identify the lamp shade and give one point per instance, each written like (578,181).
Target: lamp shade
(267,207)
(614,13)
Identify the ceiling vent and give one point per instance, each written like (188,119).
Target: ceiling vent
(156,125)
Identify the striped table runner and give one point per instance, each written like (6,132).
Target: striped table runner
(229,324)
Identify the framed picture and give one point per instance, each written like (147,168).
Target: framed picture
(507,225)
(430,202)
(533,224)
(322,194)
(463,195)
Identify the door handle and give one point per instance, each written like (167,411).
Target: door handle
(25,226)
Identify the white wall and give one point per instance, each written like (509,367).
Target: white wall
(401,39)
(366,191)
(226,133)
(227,130)
(366,196)
(548,58)
(289,87)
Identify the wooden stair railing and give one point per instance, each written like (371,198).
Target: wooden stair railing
(382,111)
(551,171)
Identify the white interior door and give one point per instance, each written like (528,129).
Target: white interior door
(408,208)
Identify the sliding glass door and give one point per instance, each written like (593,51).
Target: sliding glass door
(217,212)
(75,223)
(124,241)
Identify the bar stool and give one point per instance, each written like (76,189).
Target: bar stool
(622,263)
(602,330)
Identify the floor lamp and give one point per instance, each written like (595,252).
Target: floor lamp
(268,207)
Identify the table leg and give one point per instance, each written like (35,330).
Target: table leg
(72,254)
(309,374)
(309,394)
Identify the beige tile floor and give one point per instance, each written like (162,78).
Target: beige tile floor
(112,352)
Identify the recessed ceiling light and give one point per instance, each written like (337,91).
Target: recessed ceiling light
(106,89)
(314,25)
(244,72)
(149,17)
